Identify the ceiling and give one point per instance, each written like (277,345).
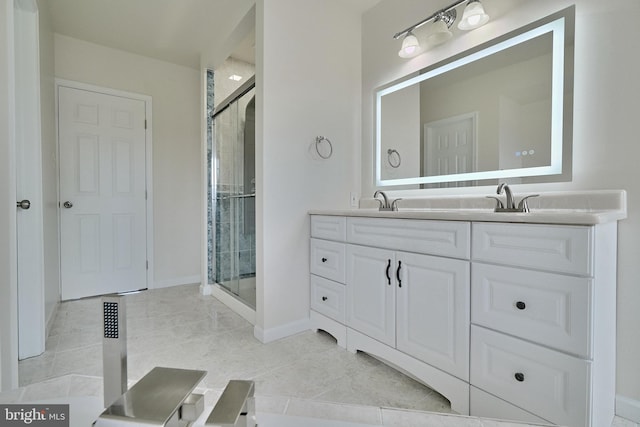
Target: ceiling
(176,31)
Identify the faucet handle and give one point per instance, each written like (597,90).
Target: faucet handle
(523,206)
(499,204)
(394,204)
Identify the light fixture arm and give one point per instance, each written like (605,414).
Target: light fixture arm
(430,18)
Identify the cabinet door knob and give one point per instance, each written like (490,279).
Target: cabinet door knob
(519,376)
(521,305)
(324,260)
(324,298)
(24,204)
(398,274)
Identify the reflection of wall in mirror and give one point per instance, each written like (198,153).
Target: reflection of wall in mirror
(400,130)
(524,133)
(527,84)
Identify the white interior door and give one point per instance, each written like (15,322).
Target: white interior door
(102,193)
(450,146)
(29,219)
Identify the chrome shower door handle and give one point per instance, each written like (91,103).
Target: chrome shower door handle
(67,204)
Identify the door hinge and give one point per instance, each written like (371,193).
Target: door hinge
(145,123)
(147,265)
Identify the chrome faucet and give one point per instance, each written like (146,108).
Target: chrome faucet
(509,205)
(507,191)
(383,204)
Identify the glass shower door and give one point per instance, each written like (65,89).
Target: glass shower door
(234,200)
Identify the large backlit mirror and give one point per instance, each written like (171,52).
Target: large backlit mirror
(501,110)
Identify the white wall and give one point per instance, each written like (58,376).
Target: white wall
(176,144)
(49,163)
(223,85)
(308,84)
(607,98)
(8,280)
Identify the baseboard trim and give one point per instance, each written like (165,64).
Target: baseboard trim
(230,301)
(283,331)
(628,408)
(167,283)
(51,319)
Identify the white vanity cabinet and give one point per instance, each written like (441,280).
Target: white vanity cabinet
(412,302)
(327,267)
(401,295)
(506,320)
(407,296)
(543,322)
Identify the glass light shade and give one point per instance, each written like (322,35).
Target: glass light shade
(439,34)
(410,46)
(473,16)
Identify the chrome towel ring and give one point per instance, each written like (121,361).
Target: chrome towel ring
(320,140)
(394,161)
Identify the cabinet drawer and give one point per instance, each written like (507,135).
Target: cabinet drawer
(565,249)
(550,384)
(442,238)
(327,297)
(327,259)
(329,227)
(551,309)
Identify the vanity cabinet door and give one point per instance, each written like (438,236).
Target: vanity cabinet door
(433,297)
(371,297)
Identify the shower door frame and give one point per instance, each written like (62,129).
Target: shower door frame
(223,106)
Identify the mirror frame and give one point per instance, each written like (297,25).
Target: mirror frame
(561,26)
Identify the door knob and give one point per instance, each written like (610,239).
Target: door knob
(24,204)
(67,204)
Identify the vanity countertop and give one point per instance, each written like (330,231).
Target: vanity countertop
(558,216)
(572,208)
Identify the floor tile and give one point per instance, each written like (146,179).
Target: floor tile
(305,375)
(178,327)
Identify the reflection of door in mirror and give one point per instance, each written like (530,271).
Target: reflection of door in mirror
(449,147)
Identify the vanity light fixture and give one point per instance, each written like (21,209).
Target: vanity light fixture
(473,17)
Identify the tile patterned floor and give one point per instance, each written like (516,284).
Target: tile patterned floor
(306,374)
(177,327)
